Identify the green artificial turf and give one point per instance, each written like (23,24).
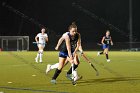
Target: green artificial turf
(20,74)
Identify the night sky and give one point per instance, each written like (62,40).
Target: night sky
(57,15)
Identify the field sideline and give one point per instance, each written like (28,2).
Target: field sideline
(20,74)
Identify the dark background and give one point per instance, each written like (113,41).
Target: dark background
(57,15)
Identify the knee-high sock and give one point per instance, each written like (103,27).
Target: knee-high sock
(101,53)
(54,66)
(41,54)
(75,74)
(38,55)
(56,74)
(70,70)
(106,56)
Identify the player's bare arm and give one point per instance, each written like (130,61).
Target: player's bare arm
(103,40)
(36,39)
(111,41)
(69,48)
(59,43)
(46,39)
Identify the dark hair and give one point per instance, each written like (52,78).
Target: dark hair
(73,25)
(43,28)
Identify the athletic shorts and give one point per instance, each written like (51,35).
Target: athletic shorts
(63,54)
(105,46)
(41,45)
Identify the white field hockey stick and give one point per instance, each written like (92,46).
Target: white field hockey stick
(73,82)
(72,65)
(38,43)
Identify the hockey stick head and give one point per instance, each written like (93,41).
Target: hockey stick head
(97,73)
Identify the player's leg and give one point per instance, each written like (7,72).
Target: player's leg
(58,70)
(41,54)
(41,48)
(54,66)
(62,59)
(106,53)
(72,69)
(99,53)
(75,65)
(76,76)
(102,52)
(50,67)
(38,54)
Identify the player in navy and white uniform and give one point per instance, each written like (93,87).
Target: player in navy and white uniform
(41,40)
(68,51)
(106,41)
(56,65)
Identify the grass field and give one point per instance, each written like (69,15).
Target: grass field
(20,74)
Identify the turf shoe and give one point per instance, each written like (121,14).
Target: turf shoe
(40,61)
(36,60)
(53,81)
(77,78)
(98,53)
(68,76)
(74,82)
(108,60)
(48,68)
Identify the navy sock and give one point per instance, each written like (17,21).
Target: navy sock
(106,56)
(70,70)
(56,74)
(101,53)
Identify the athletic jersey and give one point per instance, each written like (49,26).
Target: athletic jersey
(42,37)
(73,42)
(107,40)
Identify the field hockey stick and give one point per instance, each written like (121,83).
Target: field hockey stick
(38,43)
(72,65)
(97,73)
(99,44)
(87,60)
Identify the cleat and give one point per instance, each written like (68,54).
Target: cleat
(77,78)
(108,60)
(53,81)
(36,60)
(74,83)
(98,54)
(68,76)
(48,68)
(40,61)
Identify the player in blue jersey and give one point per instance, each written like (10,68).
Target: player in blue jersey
(106,42)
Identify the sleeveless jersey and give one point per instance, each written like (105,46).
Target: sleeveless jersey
(73,43)
(42,38)
(107,40)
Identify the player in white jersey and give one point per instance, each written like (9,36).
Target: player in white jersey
(41,39)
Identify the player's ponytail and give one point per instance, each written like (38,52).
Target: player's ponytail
(73,23)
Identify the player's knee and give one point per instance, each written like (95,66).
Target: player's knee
(60,67)
(41,51)
(106,52)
